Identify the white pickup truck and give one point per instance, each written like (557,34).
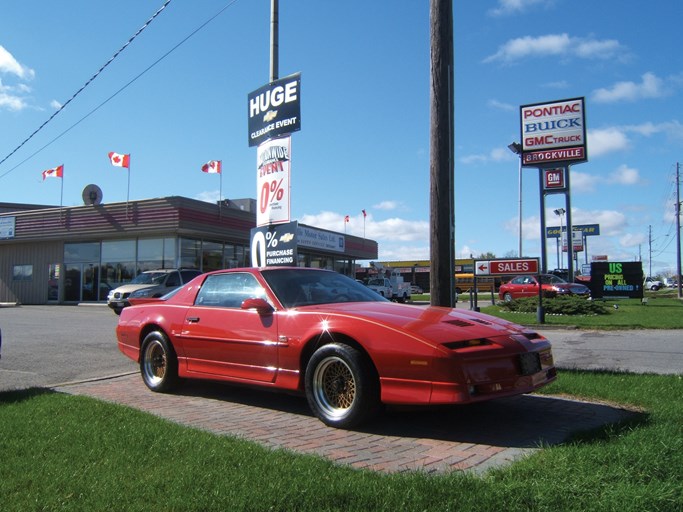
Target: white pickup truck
(392,288)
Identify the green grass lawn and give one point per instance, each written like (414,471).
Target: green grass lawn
(63,452)
(660,312)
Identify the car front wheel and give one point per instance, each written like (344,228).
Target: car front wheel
(158,363)
(507,297)
(341,386)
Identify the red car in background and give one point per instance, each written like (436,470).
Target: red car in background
(324,335)
(527,286)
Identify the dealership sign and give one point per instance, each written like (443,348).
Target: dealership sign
(273,168)
(274,246)
(586,229)
(553,180)
(504,267)
(275,109)
(553,133)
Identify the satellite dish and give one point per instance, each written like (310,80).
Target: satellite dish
(92,195)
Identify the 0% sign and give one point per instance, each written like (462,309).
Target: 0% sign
(271,192)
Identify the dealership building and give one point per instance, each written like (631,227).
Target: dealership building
(55,255)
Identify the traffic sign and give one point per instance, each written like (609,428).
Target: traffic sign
(508,266)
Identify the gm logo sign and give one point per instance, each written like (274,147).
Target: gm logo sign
(554,179)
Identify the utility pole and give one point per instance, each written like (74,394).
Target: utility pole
(274,40)
(441,187)
(678,229)
(649,241)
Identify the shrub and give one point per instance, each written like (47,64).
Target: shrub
(560,305)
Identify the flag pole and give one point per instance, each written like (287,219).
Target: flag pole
(220,189)
(61,197)
(128,192)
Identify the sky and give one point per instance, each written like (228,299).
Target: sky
(176,97)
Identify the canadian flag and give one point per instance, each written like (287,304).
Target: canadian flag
(57,172)
(119,160)
(212,167)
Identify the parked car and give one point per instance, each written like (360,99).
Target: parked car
(527,286)
(652,284)
(322,334)
(149,284)
(416,289)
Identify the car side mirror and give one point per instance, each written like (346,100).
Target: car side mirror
(259,304)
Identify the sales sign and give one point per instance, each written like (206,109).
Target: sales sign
(274,246)
(275,109)
(504,267)
(273,170)
(553,133)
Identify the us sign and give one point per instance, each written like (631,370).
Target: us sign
(553,132)
(617,279)
(275,109)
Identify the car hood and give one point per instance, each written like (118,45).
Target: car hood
(438,324)
(130,288)
(573,287)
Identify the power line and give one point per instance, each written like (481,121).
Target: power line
(99,71)
(130,82)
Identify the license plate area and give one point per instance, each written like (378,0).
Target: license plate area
(529,363)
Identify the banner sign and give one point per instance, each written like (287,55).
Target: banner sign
(274,109)
(274,245)
(7,227)
(273,171)
(617,279)
(586,229)
(321,240)
(553,133)
(503,267)
(577,240)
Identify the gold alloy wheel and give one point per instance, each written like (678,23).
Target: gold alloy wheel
(334,386)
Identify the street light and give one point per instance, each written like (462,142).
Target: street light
(516,148)
(560,213)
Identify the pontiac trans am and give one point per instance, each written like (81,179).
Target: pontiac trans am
(319,333)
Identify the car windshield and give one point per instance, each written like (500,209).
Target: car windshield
(150,278)
(551,279)
(308,287)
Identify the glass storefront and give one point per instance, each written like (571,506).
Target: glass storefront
(92,269)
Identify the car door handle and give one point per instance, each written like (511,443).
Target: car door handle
(193,319)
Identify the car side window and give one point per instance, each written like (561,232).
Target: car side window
(228,290)
(173,280)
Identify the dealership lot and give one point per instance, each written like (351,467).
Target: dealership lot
(73,349)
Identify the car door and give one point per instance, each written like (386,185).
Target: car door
(528,287)
(219,338)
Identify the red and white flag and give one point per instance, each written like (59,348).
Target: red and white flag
(119,160)
(57,172)
(212,167)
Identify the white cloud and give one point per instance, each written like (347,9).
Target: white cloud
(386,205)
(582,182)
(625,175)
(650,86)
(209,196)
(9,65)
(506,7)
(557,45)
(55,104)
(502,106)
(607,140)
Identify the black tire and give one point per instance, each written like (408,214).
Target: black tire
(341,386)
(158,363)
(118,310)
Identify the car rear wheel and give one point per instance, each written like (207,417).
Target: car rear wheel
(507,297)
(158,363)
(341,386)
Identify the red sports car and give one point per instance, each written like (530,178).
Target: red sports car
(323,334)
(527,286)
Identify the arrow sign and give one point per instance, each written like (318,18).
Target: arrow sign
(481,268)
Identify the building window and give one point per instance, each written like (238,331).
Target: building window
(87,252)
(22,273)
(190,253)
